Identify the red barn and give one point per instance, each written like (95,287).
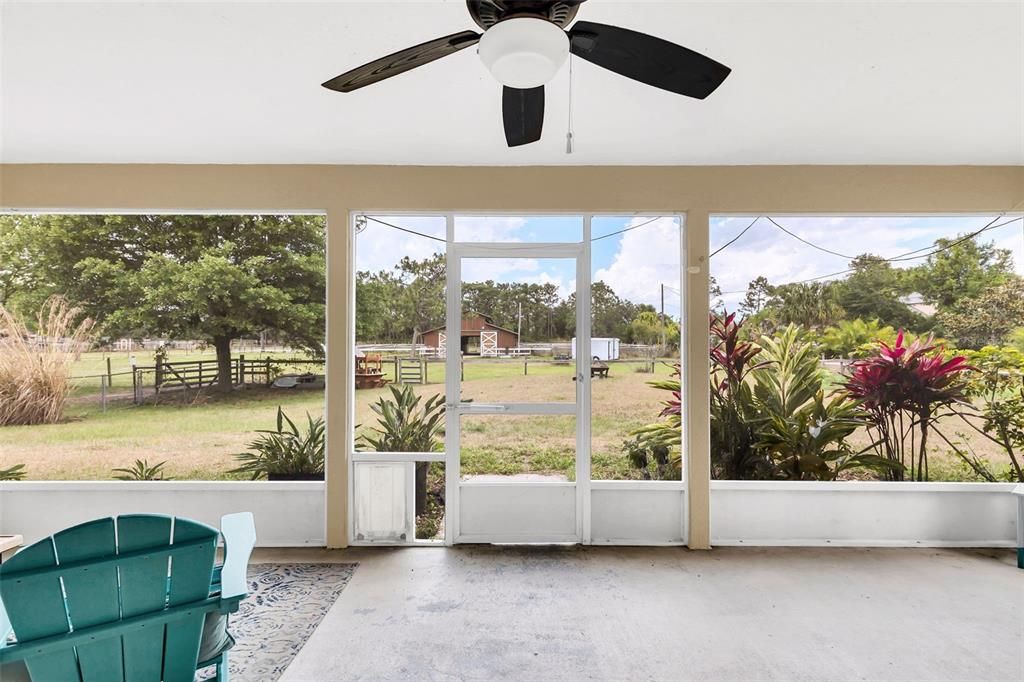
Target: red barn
(480,336)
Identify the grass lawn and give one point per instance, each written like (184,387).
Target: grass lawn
(198,439)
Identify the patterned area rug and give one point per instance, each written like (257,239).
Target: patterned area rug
(285,605)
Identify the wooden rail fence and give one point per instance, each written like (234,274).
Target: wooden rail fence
(197,374)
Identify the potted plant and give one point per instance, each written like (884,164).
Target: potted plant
(407,423)
(286,454)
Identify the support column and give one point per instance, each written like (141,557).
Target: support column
(340,356)
(696,391)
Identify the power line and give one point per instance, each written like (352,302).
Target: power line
(963,239)
(438,239)
(733,240)
(810,244)
(405,229)
(612,234)
(903,256)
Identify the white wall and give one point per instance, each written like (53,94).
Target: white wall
(288,513)
(766,513)
(637,513)
(863,514)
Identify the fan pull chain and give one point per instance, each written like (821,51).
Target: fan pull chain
(568,134)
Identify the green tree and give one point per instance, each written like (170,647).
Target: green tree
(812,305)
(873,291)
(759,291)
(611,314)
(378,316)
(715,303)
(646,328)
(963,269)
(16,272)
(988,318)
(422,296)
(214,278)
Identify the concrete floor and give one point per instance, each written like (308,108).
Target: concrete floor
(487,613)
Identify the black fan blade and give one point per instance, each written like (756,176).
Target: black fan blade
(523,114)
(401,61)
(647,59)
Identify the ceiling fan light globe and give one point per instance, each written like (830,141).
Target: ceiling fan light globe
(524,52)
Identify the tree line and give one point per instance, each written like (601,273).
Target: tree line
(398,305)
(977,298)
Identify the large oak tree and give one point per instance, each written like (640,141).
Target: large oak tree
(214,278)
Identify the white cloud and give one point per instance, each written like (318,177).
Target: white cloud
(765,250)
(646,258)
(489,228)
(497,269)
(379,247)
(566,286)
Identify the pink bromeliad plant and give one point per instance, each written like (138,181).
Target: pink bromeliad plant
(905,389)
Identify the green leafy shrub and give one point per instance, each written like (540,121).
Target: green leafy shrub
(811,443)
(854,338)
(802,433)
(13,473)
(735,416)
(789,374)
(999,385)
(1016,339)
(770,417)
(663,436)
(652,458)
(141,471)
(406,423)
(285,450)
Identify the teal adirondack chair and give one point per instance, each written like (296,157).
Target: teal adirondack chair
(126,599)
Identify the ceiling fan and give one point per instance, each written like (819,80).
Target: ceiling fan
(525,43)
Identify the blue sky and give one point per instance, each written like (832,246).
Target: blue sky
(637,262)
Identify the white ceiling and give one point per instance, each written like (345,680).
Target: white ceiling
(815,82)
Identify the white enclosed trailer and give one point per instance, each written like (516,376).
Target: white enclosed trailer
(605,349)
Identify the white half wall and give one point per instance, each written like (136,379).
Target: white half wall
(863,514)
(756,513)
(637,513)
(288,513)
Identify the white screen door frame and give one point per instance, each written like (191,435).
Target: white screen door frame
(517,511)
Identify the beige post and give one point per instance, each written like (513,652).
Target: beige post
(340,356)
(696,425)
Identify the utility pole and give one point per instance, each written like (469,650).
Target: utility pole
(519,327)
(662,318)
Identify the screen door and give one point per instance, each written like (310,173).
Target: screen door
(528,424)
